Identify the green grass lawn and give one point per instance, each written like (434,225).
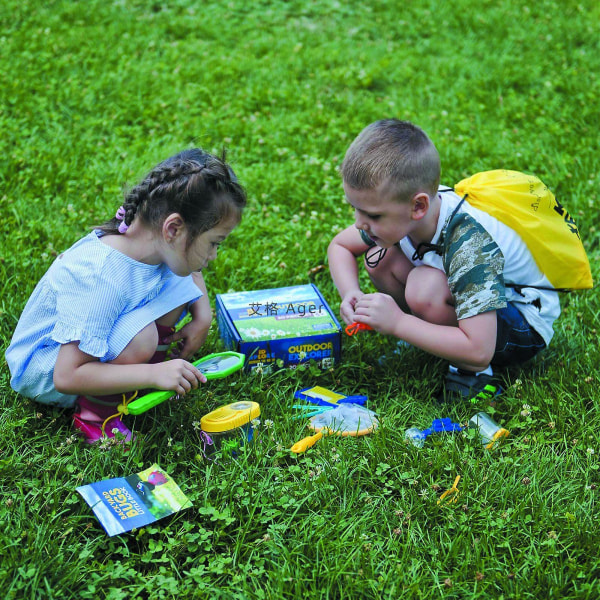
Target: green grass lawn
(93,94)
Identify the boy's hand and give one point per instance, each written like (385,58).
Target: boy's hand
(177,375)
(380,311)
(348,306)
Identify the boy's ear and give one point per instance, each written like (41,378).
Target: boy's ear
(420,205)
(172,227)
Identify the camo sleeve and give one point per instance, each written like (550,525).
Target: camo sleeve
(474,265)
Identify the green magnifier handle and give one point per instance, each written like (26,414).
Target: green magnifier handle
(214,366)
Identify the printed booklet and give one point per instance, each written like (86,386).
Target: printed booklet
(124,503)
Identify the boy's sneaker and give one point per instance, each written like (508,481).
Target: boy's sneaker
(465,385)
(93,432)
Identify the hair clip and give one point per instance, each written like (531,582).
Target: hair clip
(120,216)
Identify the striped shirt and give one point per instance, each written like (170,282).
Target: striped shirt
(97,296)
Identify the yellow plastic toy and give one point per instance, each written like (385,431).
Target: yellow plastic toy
(452,493)
(345,420)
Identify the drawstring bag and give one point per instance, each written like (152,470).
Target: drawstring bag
(526,205)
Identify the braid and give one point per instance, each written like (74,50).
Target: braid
(199,186)
(133,199)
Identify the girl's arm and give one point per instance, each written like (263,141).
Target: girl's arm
(342,252)
(79,373)
(200,309)
(195,332)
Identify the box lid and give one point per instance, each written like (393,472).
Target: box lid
(278,313)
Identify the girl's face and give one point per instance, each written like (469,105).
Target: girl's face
(183,260)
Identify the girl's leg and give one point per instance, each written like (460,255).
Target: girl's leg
(148,346)
(165,326)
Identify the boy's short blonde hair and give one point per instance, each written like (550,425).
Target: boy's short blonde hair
(396,153)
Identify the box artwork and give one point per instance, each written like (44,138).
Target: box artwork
(280,327)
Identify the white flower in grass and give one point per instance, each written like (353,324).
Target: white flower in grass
(252,332)
(590,451)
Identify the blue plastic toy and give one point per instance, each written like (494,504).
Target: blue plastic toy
(417,436)
(324,397)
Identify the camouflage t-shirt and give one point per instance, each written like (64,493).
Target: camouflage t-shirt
(474,265)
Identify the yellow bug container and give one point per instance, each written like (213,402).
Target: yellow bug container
(229,427)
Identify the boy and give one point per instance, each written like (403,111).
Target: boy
(442,273)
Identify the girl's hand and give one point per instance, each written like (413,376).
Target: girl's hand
(380,311)
(190,337)
(348,306)
(193,334)
(177,375)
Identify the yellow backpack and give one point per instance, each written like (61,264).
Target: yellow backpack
(528,207)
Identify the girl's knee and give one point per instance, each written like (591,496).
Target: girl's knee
(141,348)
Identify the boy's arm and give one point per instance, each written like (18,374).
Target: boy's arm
(471,345)
(342,252)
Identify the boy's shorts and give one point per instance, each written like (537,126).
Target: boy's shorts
(516,340)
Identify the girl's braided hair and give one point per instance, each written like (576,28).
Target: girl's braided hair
(202,188)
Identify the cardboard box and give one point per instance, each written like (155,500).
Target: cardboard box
(280,327)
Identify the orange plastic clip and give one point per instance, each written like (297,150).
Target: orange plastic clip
(354,328)
(452,491)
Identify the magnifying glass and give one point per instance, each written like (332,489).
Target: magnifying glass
(214,366)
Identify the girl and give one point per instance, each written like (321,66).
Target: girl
(99,322)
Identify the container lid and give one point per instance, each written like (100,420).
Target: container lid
(230,416)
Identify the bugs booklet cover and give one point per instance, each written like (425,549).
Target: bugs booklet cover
(124,503)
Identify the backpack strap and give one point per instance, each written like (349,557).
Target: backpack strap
(518,287)
(425,247)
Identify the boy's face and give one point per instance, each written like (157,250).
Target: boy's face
(385,219)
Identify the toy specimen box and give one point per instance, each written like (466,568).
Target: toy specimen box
(280,327)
